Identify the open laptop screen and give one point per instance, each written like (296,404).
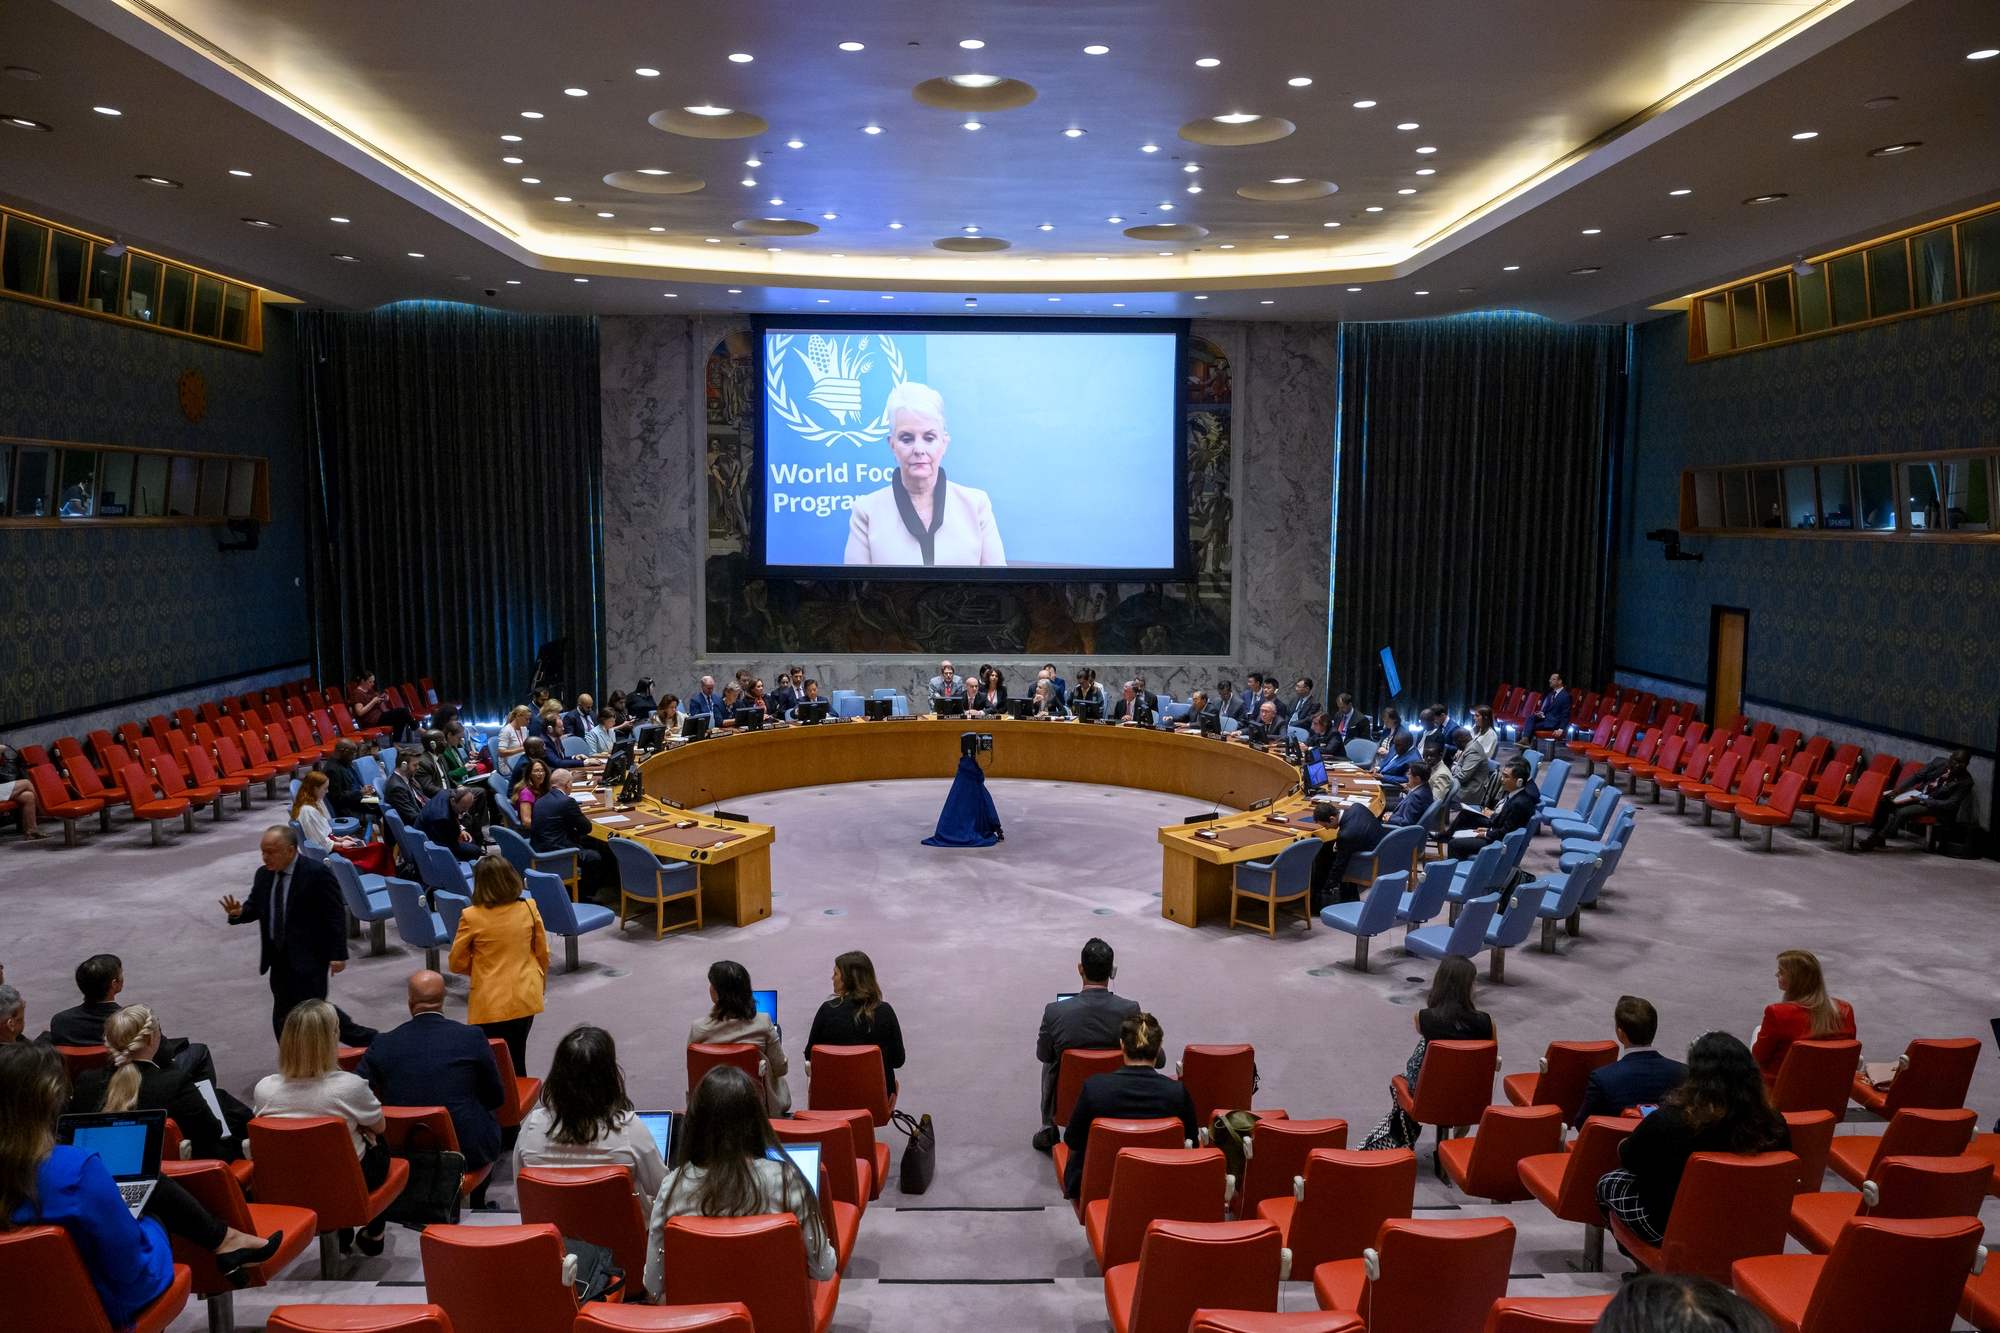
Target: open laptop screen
(806,1157)
(128,1141)
(664,1126)
(767,1004)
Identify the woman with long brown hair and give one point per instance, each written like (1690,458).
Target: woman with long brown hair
(136,1079)
(585,1118)
(45,1183)
(532,785)
(1449,1014)
(733,1018)
(733,1166)
(1807,1013)
(857,1015)
(503,947)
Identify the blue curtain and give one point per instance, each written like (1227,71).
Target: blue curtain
(1475,480)
(455,473)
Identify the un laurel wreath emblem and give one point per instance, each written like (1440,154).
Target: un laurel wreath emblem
(834,368)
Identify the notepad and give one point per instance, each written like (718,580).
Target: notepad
(207,1091)
(612,819)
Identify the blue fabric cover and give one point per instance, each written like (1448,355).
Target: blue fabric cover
(129,1259)
(968,818)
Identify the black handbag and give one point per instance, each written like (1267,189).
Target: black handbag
(919,1154)
(437,1179)
(596,1276)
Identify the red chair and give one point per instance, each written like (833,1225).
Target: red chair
(1278,1153)
(1817,1076)
(310,1163)
(1826,791)
(175,787)
(233,763)
(358,1319)
(1423,1277)
(1860,807)
(83,778)
(261,751)
(1153,1184)
(1910,1134)
(840,1198)
(434,1121)
(871,1159)
(83,1059)
(726,1317)
(1907,1187)
(1589,751)
(1749,788)
(1566,1182)
(593,1203)
(53,801)
(130,735)
(522,1092)
(1218,1078)
(1935,1075)
(1453,1088)
(1775,813)
(1721,780)
(1268,1321)
(1545,1314)
(1565,1071)
(760,1261)
(701,1058)
(48,1287)
(1486,1165)
(1187,1266)
(1812,1144)
(303,742)
(100,753)
(217,1189)
(499,1279)
(349,727)
(1107,1138)
(1980,1306)
(1987,1147)
(1729,1206)
(149,806)
(850,1076)
(228,784)
(1915,1267)
(1339,1204)
(1701,760)
(1638,760)
(1076,1066)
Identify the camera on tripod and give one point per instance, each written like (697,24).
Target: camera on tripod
(971,743)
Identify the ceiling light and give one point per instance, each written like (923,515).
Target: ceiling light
(1806,134)
(775,201)
(736,291)
(749,180)
(1895,148)
(1592,231)
(576,92)
(1299,83)
(1986,53)
(1236,118)
(531,180)
(654,171)
(531,115)
(903,259)
(347,259)
(606,215)
(1114,219)
(972,125)
(852,46)
(1363,106)
(795,143)
(773,248)
(1764,198)
(971,44)
(1427,150)
(1406,192)
(579,279)
(1427,171)
(154,180)
(1329,224)
(1229,247)
(839,256)
(1267,303)
(259,222)
(753,162)
(564,199)
(23,123)
(1668,236)
(1207,62)
(1511,268)
(107,111)
(1423,293)
(1048,226)
(237,171)
(968,229)
(829,216)
(1117,305)
(1679,192)
(1149,148)
(741,58)
(1164,254)
(1201,298)
(871,129)
(416,254)
(1194,189)
(825,301)
(510,138)
(1055,298)
(1072,133)
(1097,50)
(1373,208)
(888,298)
(1166,208)
(336,219)
(895,226)
(713,240)
(1592,269)
(706,110)
(1353,289)
(1407,125)
(1287,180)
(1282,236)
(510,161)
(656,229)
(647,73)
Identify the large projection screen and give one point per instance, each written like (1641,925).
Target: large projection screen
(971,449)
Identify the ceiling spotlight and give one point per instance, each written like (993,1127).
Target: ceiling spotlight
(1281,236)
(1114,219)
(510,161)
(1207,62)
(974,80)
(236,171)
(1373,208)
(1363,106)
(1149,148)
(416,254)
(972,125)
(564,199)
(852,46)
(775,201)
(1097,50)
(23,123)
(1985,53)
(1427,150)
(1194,189)
(748,162)
(1166,208)
(1592,231)
(1191,167)
(749,180)
(1668,236)
(871,129)
(579,279)
(706,110)
(1764,198)
(1072,133)
(1117,305)
(888,298)
(1048,226)
(336,219)
(161,181)
(1353,289)
(259,222)
(1427,171)
(1329,224)
(895,226)
(1055,298)
(829,216)
(773,248)
(839,256)
(741,58)
(1299,83)
(1267,303)
(1228,247)
(971,44)
(531,115)
(576,92)
(968,229)
(1511,268)
(654,171)
(1894,149)
(713,240)
(656,229)
(1164,254)
(1423,293)
(531,180)
(795,143)
(1806,134)
(736,291)
(1104,259)
(1201,298)
(1407,125)
(1406,192)
(1236,118)
(1592,269)
(347,259)
(1679,192)
(606,215)
(647,73)
(510,138)
(107,111)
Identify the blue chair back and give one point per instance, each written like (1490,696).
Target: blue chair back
(846,705)
(439,869)
(1608,859)
(1558,779)
(1481,875)
(1361,752)
(1171,710)
(1607,805)
(1569,894)
(1397,850)
(1585,799)
(1468,937)
(639,871)
(1291,869)
(1515,845)
(575,747)
(515,848)
(1534,758)
(368,770)
(449,905)
(902,706)
(1229,724)
(1512,928)
(1428,899)
(842,694)
(885,692)
(353,892)
(1434,813)
(416,925)
(1378,909)
(552,901)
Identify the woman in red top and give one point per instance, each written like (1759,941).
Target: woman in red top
(1808,1013)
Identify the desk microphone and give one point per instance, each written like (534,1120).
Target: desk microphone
(1217,812)
(704,792)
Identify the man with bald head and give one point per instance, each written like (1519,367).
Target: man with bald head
(561,826)
(433,1060)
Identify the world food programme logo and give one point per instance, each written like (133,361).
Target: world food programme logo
(833,367)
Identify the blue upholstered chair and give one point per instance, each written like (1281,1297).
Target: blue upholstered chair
(575,747)
(364,903)
(441,872)
(1284,878)
(1229,724)
(1427,899)
(649,882)
(1397,851)
(1465,938)
(417,926)
(1592,825)
(1510,931)
(902,705)
(886,692)
(1617,835)
(1561,894)
(1172,711)
(1584,800)
(1373,915)
(1299,734)
(1474,878)
(562,917)
(523,857)
(1362,753)
(1552,786)
(846,705)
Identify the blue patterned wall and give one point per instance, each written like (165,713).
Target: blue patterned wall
(90,615)
(1900,635)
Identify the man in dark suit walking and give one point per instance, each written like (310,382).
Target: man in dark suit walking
(304,934)
(1087,1021)
(1641,1077)
(437,1061)
(1139,1091)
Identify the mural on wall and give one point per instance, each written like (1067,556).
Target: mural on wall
(747,615)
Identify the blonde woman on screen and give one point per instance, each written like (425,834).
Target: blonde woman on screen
(919,518)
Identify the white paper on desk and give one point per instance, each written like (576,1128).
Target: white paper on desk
(611,819)
(207,1091)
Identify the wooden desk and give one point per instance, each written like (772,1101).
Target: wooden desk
(735,876)
(727,766)
(1197,872)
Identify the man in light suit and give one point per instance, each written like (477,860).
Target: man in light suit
(946,684)
(1640,1077)
(303,923)
(1088,1021)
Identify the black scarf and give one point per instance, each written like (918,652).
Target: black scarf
(926,538)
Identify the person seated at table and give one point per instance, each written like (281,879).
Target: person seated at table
(600,738)
(809,693)
(1267,728)
(345,788)
(531,784)
(622,718)
(989,697)
(560,825)
(585,1118)
(667,713)
(1200,716)
(1349,722)
(734,1019)
(315,824)
(1320,734)
(1270,696)
(1135,1091)
(1228,703)
(1938,790)
(755,699)
(946,684)
(44,1183)
(1048,701)
(1132,708)
(1360,831)
(734,1167)
(784,695)
(1807,1013)
(725,715)
(1639,1077)
(1386,730)
(640,701)
(1086,690)
(1394,768)
(1433,758)
(1519,809)
(1720,1106)
(857,1015)
(442,821)
(704,703)
(1048,673)
(138,1079)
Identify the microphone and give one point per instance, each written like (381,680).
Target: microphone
(1216,812)
(704,792)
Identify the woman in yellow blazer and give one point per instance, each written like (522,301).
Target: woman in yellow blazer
(501,945)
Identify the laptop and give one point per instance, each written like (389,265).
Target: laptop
(806,1157)
(665,1127)
(1316,773)
(767,1004)
(129,1144)
(1062,995)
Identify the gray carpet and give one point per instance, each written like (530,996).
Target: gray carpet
(970,944)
